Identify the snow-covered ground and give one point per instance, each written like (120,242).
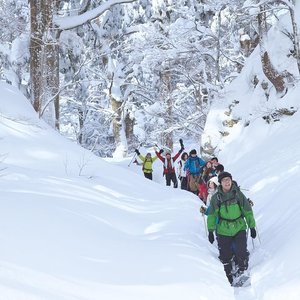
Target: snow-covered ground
(73,226)
(76,227)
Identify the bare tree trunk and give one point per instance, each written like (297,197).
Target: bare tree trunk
(129,123)
(118,123)
(167,136)
(296,38)
(269,70)
(44,63)
(35,53)
(51,65)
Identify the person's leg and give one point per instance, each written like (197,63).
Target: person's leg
(168,179)
(241,252)
(174,179)
(225,250)
(148,175)
(193,184)
(184,183)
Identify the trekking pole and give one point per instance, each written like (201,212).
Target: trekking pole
(253,243)
(205,226)
(133,157)
(258,235)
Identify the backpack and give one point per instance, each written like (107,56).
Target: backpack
(220,202)
(143,168)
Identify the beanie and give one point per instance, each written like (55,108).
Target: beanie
(220,168)
(223,175)
(214,180)
(193,152)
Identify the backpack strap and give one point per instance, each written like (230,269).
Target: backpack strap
(219,203)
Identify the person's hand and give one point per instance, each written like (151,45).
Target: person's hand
(137,151)
(161,151)
(251,202)
(253,233)
(181,145)
(211,237)
(202,209)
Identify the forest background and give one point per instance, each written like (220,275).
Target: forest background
(117,74)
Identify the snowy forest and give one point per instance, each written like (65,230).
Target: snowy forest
(115,74)
(89,89)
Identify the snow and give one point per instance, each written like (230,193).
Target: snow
(64,23)
(75,226)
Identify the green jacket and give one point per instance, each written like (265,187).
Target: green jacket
(147,163)
(230,212)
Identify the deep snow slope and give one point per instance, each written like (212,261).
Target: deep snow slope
(264,158)
(73,226)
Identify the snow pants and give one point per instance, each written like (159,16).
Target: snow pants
(169,177)
(148,175)
(193,183)
(233,247)
(183,183)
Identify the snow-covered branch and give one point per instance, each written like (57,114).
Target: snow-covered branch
(65,23)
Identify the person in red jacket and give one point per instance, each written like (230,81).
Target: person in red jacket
(169,166)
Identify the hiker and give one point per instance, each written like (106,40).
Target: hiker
(169,168)
(193,167)
(212,185)
(207,171)
(148,161)
(202,190)
(219,169)
(229,215)
(182,176)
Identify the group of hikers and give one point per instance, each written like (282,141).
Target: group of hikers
(229,212)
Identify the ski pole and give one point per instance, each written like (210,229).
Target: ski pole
(133,157)
(258,234)
(253,243)
(205,226)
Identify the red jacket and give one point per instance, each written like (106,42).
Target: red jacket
(169,168)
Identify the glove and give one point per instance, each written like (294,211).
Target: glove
(137,151)
(181,145)
(211,237)
(253,233)
(161,151)
(202,209)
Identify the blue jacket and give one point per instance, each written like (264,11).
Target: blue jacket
(194,165)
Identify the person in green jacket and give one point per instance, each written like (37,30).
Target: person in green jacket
(147,160)
(229,216)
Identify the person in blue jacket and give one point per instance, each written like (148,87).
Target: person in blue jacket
(193,167)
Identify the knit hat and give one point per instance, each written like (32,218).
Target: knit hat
(220,168)
(214,180)
(193,152)
(223,175)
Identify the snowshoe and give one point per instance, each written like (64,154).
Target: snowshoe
(241,280)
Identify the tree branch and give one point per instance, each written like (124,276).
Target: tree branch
(65,23)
